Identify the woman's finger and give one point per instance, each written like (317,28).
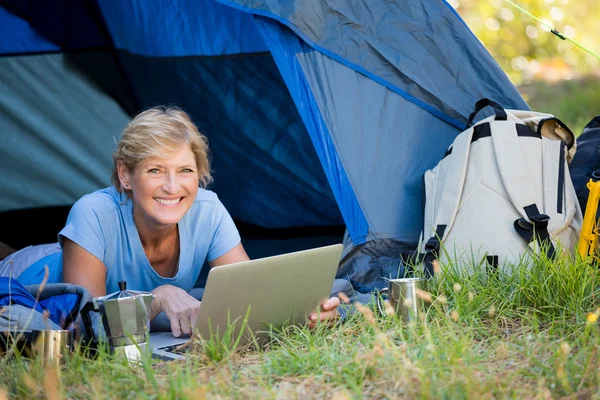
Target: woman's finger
(184,323)
(193,315)
(175,328)
(331,304)
(323,316)
(193,319)
(328,315)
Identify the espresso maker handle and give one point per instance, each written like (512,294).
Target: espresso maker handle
(87,321)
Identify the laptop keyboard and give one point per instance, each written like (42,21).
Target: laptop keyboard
(170,352)
(169,349)
(175,348)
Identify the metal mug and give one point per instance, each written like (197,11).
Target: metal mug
(52,345)
(403,297)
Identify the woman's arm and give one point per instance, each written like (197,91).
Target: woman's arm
(235,255)
(81,268)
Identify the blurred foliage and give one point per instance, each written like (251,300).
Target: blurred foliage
(524,48)
(575,101)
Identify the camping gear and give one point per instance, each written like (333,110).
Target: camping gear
(125,316)
(502,188)
(367,266)
(585,172)
(38,320)
(307,106)
(405,296)
(588,239)
(586,163)
(39,307)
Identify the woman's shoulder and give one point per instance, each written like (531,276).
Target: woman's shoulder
(93,220)
(206,196)
(207,203)
(103,200)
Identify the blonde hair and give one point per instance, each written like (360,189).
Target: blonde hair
(156,131)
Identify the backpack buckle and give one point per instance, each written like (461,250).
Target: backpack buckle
(523,223)
(540,220)
(433,244)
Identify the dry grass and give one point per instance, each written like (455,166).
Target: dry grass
(528,335)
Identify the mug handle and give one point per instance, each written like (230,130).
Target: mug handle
(379,300)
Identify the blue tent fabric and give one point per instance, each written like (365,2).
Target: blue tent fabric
(51,25)
(284,46)
(56,138)
(205,29)
(416,49)
(26,40)
(429,73)
(408,143)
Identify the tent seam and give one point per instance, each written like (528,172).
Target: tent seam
(362,238)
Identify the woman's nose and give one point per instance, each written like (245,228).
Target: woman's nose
(171,184)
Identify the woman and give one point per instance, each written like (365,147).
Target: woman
(155,227)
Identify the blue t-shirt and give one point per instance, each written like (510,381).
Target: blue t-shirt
(102,223)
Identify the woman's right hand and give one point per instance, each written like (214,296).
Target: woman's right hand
(181,308)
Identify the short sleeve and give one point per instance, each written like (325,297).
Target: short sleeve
(85,225)
(225,235)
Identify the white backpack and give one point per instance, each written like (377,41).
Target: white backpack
(502,188)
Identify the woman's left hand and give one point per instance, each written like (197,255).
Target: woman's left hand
(328,313)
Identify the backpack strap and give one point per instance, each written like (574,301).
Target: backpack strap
(432,248)
(483,103)
(448,188)
(535,229)
(518,184)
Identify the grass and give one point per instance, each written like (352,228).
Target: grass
(531,333)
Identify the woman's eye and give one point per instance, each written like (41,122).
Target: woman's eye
(153,171)
(187,170)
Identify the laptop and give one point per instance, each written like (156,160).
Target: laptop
(254,296)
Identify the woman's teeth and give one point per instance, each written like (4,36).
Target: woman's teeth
(168,202)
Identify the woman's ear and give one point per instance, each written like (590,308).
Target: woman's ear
(124,175)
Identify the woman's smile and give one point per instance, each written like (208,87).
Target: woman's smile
(168,201)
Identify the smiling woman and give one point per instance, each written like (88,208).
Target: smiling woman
(154,228)
(156,132)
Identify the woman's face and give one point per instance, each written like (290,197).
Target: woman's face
(164,189)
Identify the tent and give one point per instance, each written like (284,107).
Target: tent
(319,113)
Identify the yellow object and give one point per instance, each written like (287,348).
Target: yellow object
(588,239)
